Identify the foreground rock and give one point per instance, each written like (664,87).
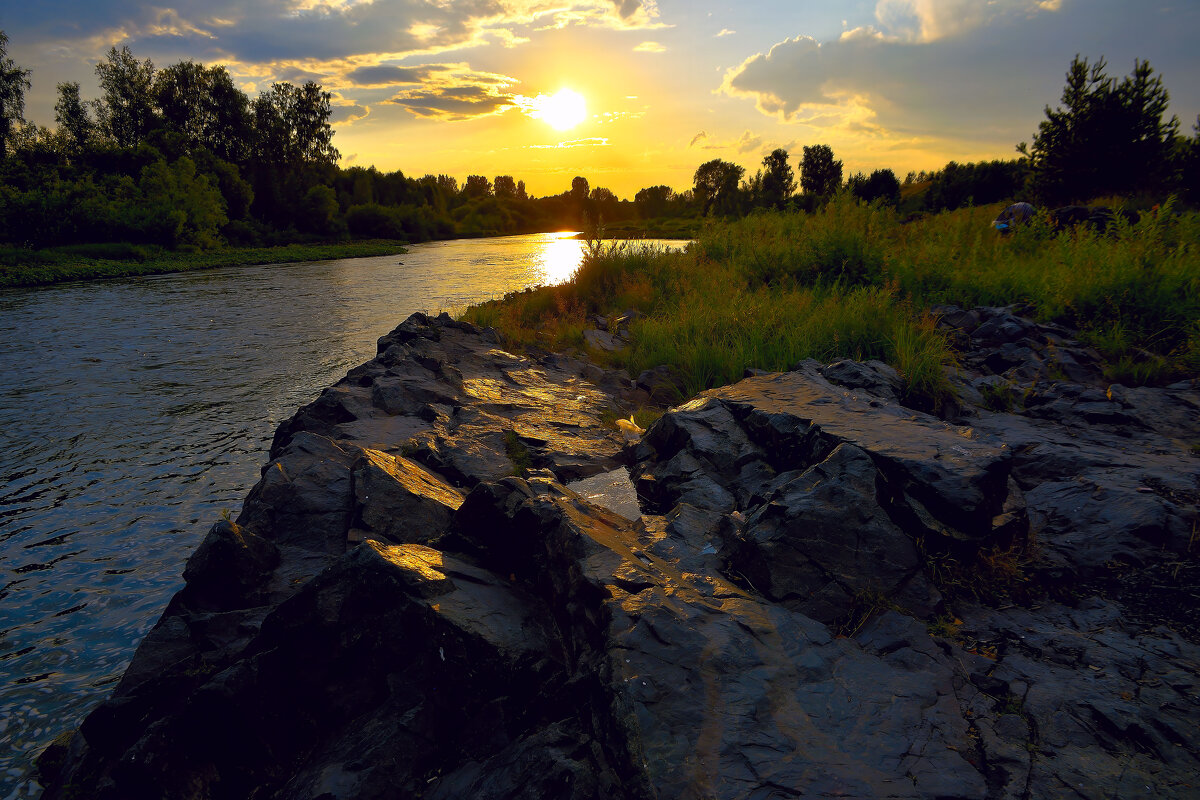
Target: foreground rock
(827,594)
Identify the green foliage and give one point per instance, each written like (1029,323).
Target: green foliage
(1106,137)
(960,185)
(882,185)
(14,82)
(716,186)
(820,175)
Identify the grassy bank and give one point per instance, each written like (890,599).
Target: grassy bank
(20,267)
(853,281)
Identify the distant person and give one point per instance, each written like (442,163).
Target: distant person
(1015,215)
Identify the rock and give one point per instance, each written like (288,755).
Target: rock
(602,340)
(822,541)
(400,500)
(815,596)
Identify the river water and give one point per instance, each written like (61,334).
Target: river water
(133,412)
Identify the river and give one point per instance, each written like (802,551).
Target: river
(133,412)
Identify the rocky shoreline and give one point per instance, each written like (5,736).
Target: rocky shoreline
(825,593)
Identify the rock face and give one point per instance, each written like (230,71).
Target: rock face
(826,594)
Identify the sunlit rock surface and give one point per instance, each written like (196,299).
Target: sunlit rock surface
(396,613)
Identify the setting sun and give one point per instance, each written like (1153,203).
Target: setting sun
(562,110)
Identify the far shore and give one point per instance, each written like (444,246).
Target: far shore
(62,265)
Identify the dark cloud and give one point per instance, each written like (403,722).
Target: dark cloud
(349,113)
(454,102)
(386,75)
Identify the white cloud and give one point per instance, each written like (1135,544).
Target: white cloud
(649,47)
(724,32)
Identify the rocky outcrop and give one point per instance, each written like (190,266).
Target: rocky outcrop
(826,594)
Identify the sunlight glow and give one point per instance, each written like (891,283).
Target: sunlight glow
(560,257)
(562,110)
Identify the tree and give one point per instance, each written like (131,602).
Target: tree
(716,185)
(126,109)
(505,187)
(579,190)
(778,181)
(205,108)
(881,185)
(14,82)
(652,201)
(1105,137)
(292,125)
(820,175)
(477,186)
(521,195)
(75,125)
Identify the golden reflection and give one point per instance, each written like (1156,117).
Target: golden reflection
(560,258)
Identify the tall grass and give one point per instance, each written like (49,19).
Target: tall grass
(852,281)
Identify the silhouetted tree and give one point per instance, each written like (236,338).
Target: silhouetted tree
(1105,137)
(716,185)
(126,108)
(505,187)
(204,107)
(75,126)
(477,186)
(778,182)
(881,185)
(820,175)
(14,82)
(652,201)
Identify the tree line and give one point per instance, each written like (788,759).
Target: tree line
(179,156)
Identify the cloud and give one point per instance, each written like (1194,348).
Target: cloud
(594,141)
(349,114)
(649,47)
(724,32)
(980,76)
(267,31)
(386,75)
(747,142)
(455,92)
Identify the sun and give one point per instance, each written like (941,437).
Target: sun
(562,110)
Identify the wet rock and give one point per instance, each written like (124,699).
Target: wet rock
(400,500)
(821,541)
(791,610)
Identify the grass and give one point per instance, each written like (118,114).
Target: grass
(853,281)
(20,267)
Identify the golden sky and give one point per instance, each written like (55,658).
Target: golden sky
(461,86)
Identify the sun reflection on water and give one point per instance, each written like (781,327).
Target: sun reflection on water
(560,257)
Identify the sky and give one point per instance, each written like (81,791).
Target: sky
(461,86)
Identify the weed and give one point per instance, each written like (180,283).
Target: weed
(518,454)
(997,396)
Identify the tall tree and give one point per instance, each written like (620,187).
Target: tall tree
(778,180)
(126,108)
(1105,137)
(75,125)
(820,175)
(204,107)
(505,187)
(14,82)
(292,125)
(716,185)
(477,186)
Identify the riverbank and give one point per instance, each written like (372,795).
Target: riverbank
(91,262)
(819,591)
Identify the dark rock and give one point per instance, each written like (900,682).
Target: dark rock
(768,629)
(400,500)
(822,541)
